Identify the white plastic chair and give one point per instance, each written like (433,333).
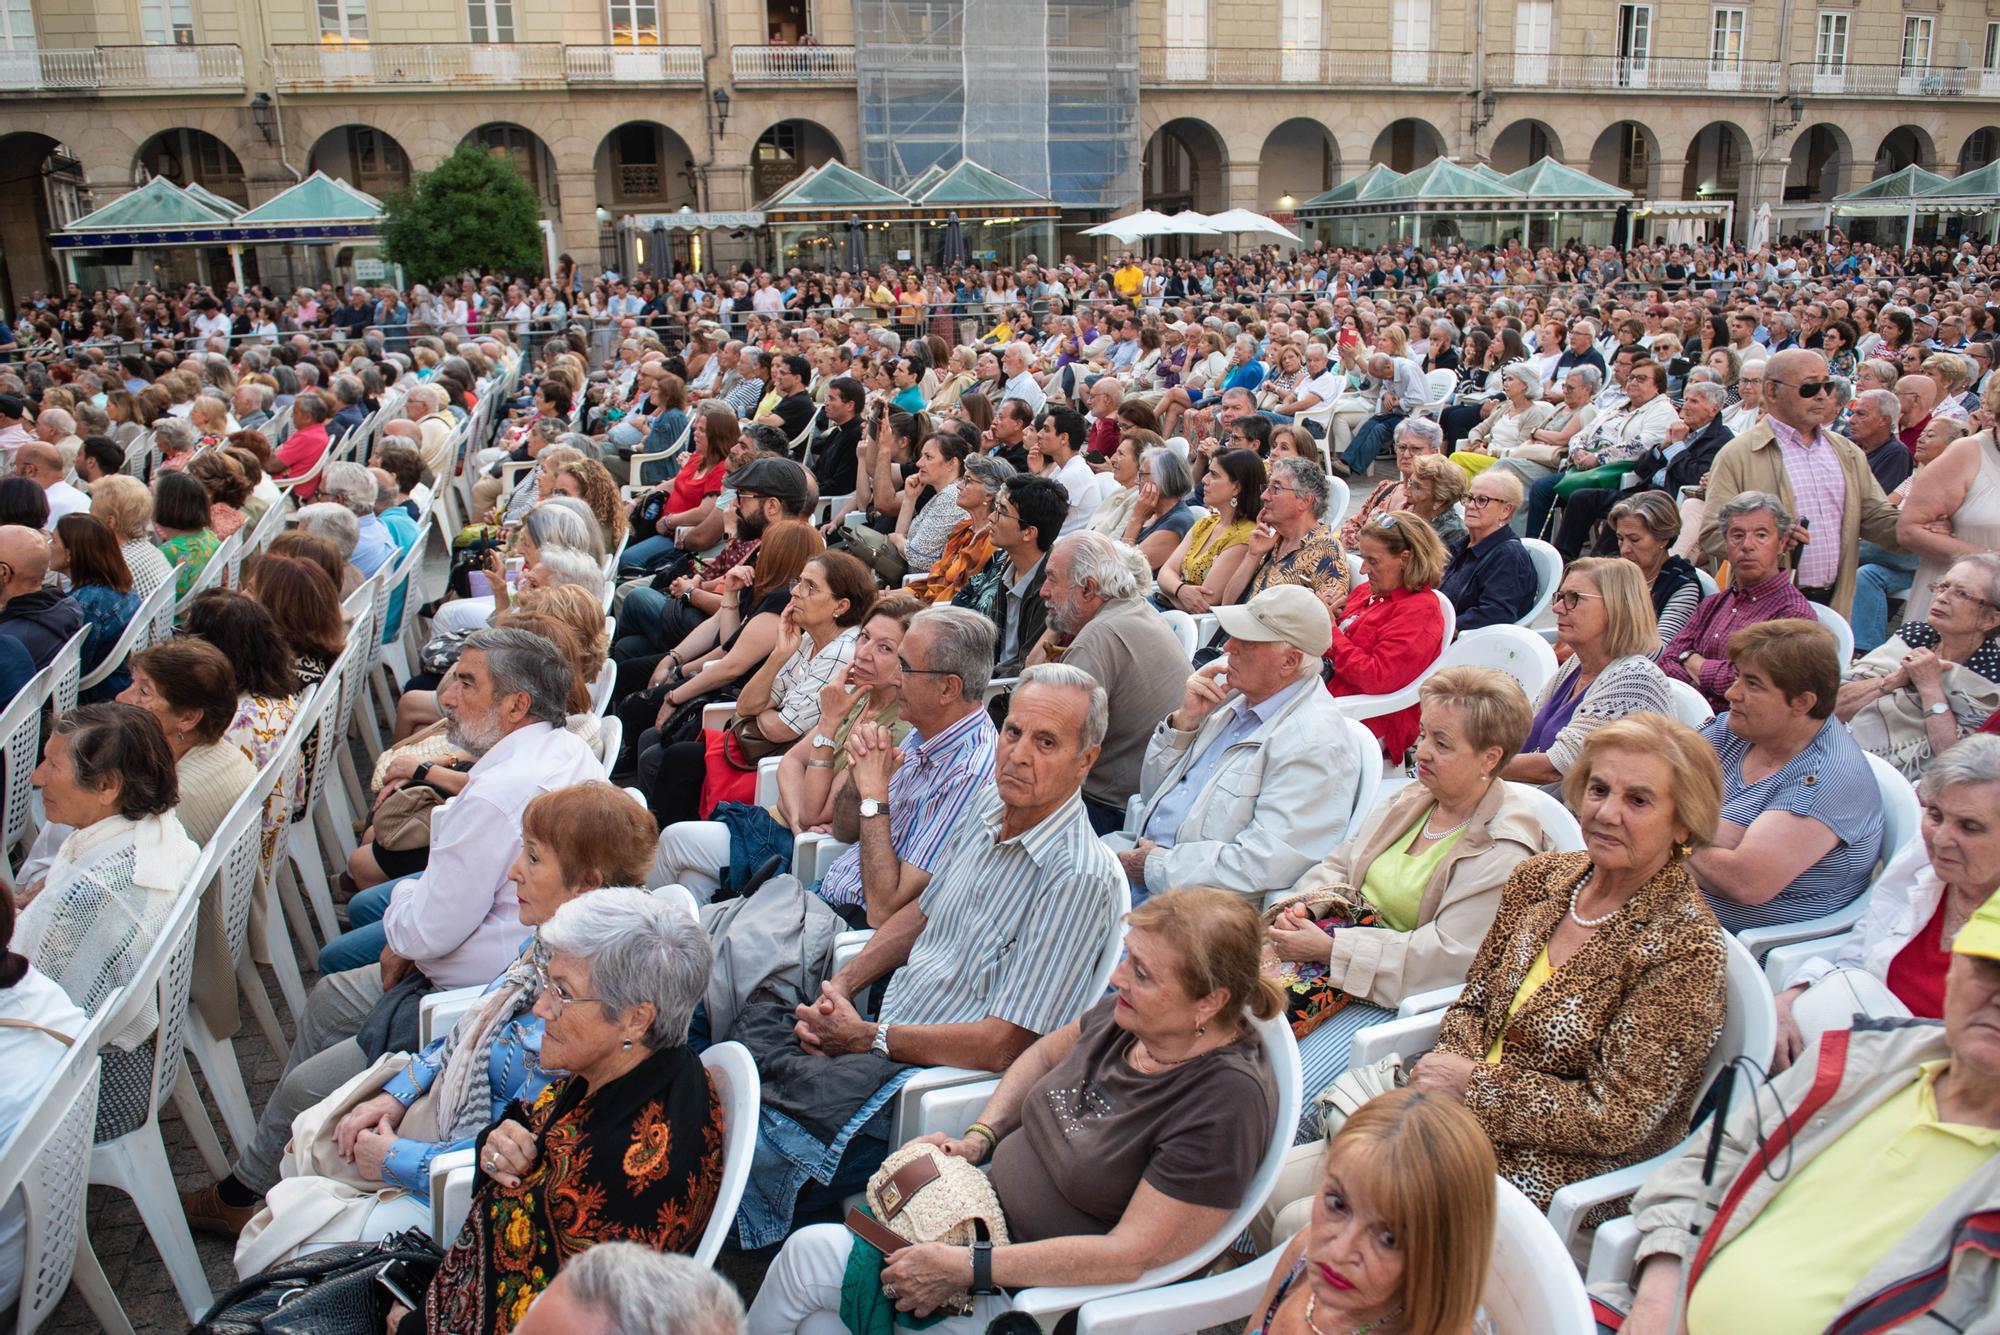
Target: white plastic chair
(734,1075)
(66,673)
(20,742)
(1374,706)
(138,633)
(600,690)
(1706,581)
(1531,1287)
(1843,634)
(1564,834)
(1902,819)
(1749,1029)
(284,914)
(322,736)
(1548,578)
(47,1161)
(1690,706)
(1438,389)
(638,460)
(1521,654)
(610,737)
(1183,627)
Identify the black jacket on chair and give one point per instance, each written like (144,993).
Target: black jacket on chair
(1687,467)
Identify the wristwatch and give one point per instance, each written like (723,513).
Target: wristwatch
(821,739)
(421,772)
(1939,709)
(881,1043)
(1683,656)
(982,1267)
(870,807)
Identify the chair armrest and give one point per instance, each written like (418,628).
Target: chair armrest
(946,1108)
(717,716)
(1760,940)
(1419,1003)
(451,1194)
(1613,1252)
(999,684)
(847,945)
(767,781)
(1180,1309)
(1784,961)
(439,1011)
(1405,1038)
(1569,1205)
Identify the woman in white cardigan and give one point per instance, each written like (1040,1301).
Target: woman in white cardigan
(1604,616)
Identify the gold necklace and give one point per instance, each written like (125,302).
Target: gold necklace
(1312,1302)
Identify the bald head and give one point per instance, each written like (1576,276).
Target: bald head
(1917,394)
(40,462)
(1784,373)
(404,428)
(24,561)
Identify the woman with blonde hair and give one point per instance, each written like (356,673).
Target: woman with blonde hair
(589,481)
(1399,1235)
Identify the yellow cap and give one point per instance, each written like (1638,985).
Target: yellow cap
(1981,933)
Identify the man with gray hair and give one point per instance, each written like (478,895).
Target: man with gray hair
(1005,944)
(1100,620)
(1293,543)
(353,487)
(252,405)
(425,406)
(1398,388)
(1017,365)
(1682,459)
(621,1288)
(454,917)
(749,389)
(353,411)
(55,426)
(1872,423)
(338,525)
(1756,533)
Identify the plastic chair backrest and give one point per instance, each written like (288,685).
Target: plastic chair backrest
(600,690)
(1355,574)
(1750,1015)
(163,616)
(234,855)
(1367,753)
(1709,588)
(1532,1287)
(1548,577)
(67,672)
(139,632)
(1438,386)
(1690,706)
(1564,834)
(48,1162)
(733,1072)
(1521,654)
(21,741)
(1337,499)
(610,739)
(1902,814)
(1183,628)
(165,977)
(1843,634)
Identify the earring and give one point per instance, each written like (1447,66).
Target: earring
(627,1044)
(1201,1031)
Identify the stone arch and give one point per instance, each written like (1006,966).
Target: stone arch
(1523,143)
(186,156)
(1627,154)
(1980,147)
(643,166)
(53,194)
(1299,159)
(529,152)
(1185,167)
(1716,159)
(1822,164)
(1903,146)
(786,149)
(1407,144)
(362,155)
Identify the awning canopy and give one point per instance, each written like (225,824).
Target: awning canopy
(1900,187)
(833,192)
(1442,186)
(317,211)
(687,220)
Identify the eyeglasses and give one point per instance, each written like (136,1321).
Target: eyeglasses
(909,671)
(1566,600)
(1939,589)
(1481,502)
(558,995)
(1808,389)
(1000,511)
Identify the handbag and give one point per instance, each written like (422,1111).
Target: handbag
(1354,1087)
(922,1194)
(328,1292)
(1605,476)
(440,651)
(1310,999)
(403,821)
(744,745)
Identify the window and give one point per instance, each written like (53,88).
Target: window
(17,27)
(1299,39)
(1410,41)
(1725,44)
(489,20)
(1830,51)
(167,22)
(343,22)
(1917,30)
(1991,64)
(1635,44)
(635,23)
(1533,20)
(1187,39)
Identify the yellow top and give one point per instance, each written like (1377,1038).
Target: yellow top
(1200,558)
(1790,1271)
(1128,279)
(1538,973)
(1396,881)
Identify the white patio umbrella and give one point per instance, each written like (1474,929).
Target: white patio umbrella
(1233,221)
(1132,227)
(1189,223)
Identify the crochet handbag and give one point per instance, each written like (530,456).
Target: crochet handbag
(1310,999)
(922,1194)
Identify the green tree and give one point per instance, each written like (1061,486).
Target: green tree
(475,211)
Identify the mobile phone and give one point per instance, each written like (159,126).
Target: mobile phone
(397,1282)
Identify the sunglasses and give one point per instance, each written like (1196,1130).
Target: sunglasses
(1809,389)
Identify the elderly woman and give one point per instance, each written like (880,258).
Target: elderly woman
(1392,627)
(1433,493)
(175,438)
(115,854)
(1114,513)
(1605,621)
(1414,437)
(1589,1012)
(1542,451)
(626,1146)
(970,545)
(1801,814)
(1893,963)
(1119,1142)
(84,551)
(1510,426)
(180,519)
(1161,516)
(1200,568)
(1646,526)
(126,507)
(1424,870)
(222,477)
(573,841)
(1491,578)
(1935,680)
(550,525)
(1397,1228)
(920,535)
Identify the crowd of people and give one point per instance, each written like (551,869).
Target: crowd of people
(1074,609)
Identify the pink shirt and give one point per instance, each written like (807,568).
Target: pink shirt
(1819,492)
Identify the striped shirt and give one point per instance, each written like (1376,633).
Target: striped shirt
(795,690)
(1014,928)
(1819,493)
(1829,781)
(926,794)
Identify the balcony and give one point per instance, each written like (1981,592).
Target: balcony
(792,64)
(1658,74)
(121,71)
(1309,67)
(633,64)
(1847,80)
(309,68)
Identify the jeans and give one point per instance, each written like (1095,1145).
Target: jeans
(1313,429)
(1374,436)
(625,436)
(648,554)
(363,941)
(1883,573)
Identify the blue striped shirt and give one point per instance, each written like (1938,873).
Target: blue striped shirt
(926,794)
(1829,781)
(1014,928)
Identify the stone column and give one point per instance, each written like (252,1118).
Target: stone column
(576,222)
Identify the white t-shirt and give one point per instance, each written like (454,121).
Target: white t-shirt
(1324,387)
(1081,484)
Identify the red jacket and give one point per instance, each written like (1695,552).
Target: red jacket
(299,453)
(1381,645)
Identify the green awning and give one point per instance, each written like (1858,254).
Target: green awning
(1443,179)
(318,198)
(158,203)
(974,186)
(834,185)
(228,208)
(1980,186)
(1549,179)
(1912,182)
(1365,186)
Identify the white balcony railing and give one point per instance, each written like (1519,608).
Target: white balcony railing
(1304,66)
(306,67)
(1851,80)
(792,64)
(1658,74)
(118,70)
(633,64)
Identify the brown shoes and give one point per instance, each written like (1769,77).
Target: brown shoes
(208,1213)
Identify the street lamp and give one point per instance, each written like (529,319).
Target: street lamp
(264,115)
(1796,106)
(721,96)
(1484,116)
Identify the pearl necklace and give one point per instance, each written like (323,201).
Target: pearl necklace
(1588,923)
(1312,1302)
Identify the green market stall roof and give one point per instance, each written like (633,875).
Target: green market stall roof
(833,192)
(319,210)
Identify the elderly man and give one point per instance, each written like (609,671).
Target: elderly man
(1100,620)
(252,405)
(1756,529)
(425,407)
(339,526)
(43,465)
(352,486)
(55,426)
(1249,782)
(1917,396)
(457,923)
(944,760)
(1886,1134)
(41,618)
(619,1288)
(1872,424)
(349,393)
(1817,475)
(748,391)
(1002,946)
(303,448)
(1399,389)
(1682,459)
(1320,386)
(1016,364)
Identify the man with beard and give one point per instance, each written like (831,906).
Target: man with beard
(456,924)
